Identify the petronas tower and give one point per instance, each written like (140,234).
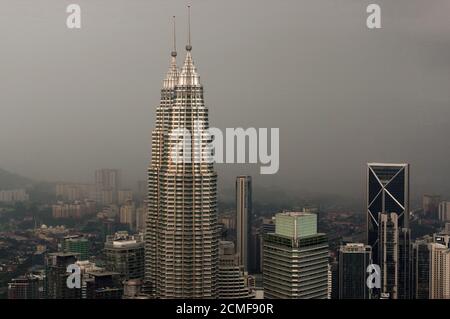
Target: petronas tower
(182,238)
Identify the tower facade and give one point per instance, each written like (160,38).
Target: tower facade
(106,179)
(125,255)
(444,211)
(56,276)
(388,248)
(182,234)
(439,271)
(295,260)
(387,191)
(421,269)
(430,206)
(353,261)
(103,285)
(76,244)
(244,220)
(405,256)
(24,287)
(233,281)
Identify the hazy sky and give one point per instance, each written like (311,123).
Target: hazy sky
(342,95)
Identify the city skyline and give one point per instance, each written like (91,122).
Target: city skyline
(295,233)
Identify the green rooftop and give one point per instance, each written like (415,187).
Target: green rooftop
(296,224)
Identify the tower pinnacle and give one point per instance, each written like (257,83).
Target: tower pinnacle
(189,46)
(173,73)
(174,52)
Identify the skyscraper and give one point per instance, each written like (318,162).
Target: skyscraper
(421,269)
(405,290)
(107,183)
(244,220)
(76,244)
(124,195)
(334,266)
(85,267)
(387,191)
(103,285)
(444,211)
(125,255)
(127,214)
(107,179)
(132,289)
(353,261)
(388,249)
(232,283)
(141,217)
(430,206)
(442,238)
(182,235)
(447,228)
(24,287)
(439,271)
(268,226)
(295,259)
(56,277)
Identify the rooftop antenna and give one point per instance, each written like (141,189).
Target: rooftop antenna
(189,46)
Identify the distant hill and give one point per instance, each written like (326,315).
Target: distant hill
(10,180)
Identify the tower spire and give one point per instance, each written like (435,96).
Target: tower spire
(189,46)
(173,73)
(189,75)
(174,52)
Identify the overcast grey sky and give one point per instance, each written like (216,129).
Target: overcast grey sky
(342,95)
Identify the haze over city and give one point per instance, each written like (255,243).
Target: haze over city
(342,95)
